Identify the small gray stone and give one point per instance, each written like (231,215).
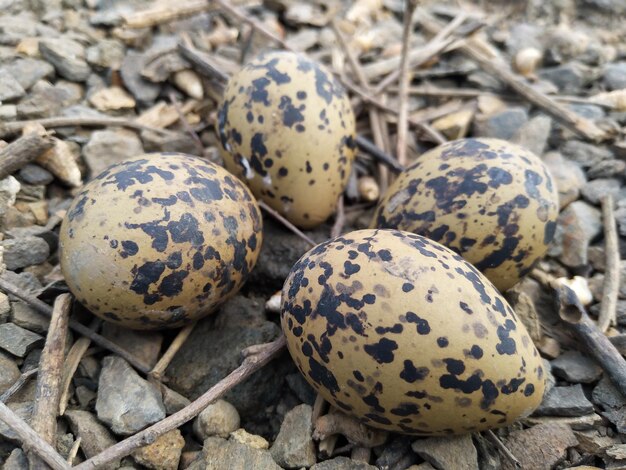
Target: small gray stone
(569,77)
(614,75)
(106,54)
(605,394)
(94,436)
(28,71)
(173,400)
(588,111)
(67,56)
(34,174)
(16,461)
(9,372)
(576,368)
(23,252)
(607,168)
(218,454)
(579,223)
(10,88)
(301,388)
(143,91)
(456,452)
(294,447)
(27,317)
(8,112)
(157,142)
(25,282)
(218,419)
(44,102)
(126,402)
(107,147)
(14,28)
(533,135)
(569,177)
(5,308)
(502,125)
(565,401)
(522,35)
(24,411)
(344,463)
(595,190)
(18,341)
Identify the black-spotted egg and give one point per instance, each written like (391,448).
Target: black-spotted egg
(404,334)
(159,240)
(492,202)
(287,129)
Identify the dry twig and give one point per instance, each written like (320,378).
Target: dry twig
(31,440)
(340,220)
(495,440)
(23,151)
(17,386)
(252,362)
(356,432)
(610,289)
(157,371)
(48,392)
(163,13)
(45,309)
(286,223)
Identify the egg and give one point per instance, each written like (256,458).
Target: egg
(402,333)
(287,129)
(490,201)
(159,240)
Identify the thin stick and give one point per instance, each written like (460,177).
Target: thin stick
(495,440)
(157,371)
(405,79)
(74,356)
(249,366)
(23,151)
(165,13)
(355,431)
(377,153)
(44,308)
(31,440)
(48,392)
(502,72)
(74,450)
(183,119)
(610,289)
(340,220)
(10,128)
(286,223)
(17,386)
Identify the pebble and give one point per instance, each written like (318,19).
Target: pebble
(595,190)
(144,345)
(585,154)
(24,411)
(534,134)
(576,423)
(218,454)
(252,440)
(218,419)
(94,436)
(145,92)
(522,35)
(575,367)
(569,77)
(540,446)
(219,340)
(301,388)
(25,282)
(606,395)
(501,125)
(588,111)
(607,168)
(25,316)
(156,142)
(44,102)
(106,54)
(9,187)
(569,177)
(5,308)
(9,372)
(18,341)
(8,112)
(34,174)
(23,252)
(28,71)
(614,75)
(16,461)
(172,400)
(126,402)
(342,463)
(565,401)
(294,447)
(112,99)
(456,452)
(162,454)
(108,147)
(67,56)
(10,88)
(579,224)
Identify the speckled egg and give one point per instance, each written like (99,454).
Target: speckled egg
(286,128)
(159,240)
(402,333)
(490,201)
